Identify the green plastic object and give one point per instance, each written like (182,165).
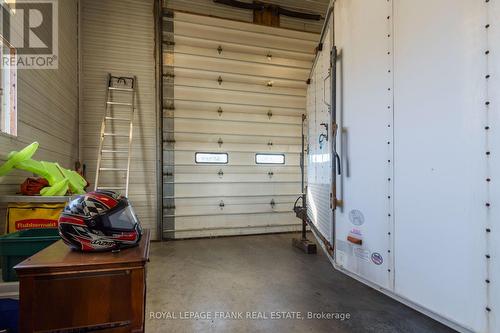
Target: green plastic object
(21,245)
(59,178)
(16,157)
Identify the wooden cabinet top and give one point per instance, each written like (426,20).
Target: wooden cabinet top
(59,258)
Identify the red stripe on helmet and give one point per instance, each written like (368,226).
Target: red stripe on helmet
(126,236)
(103,198)
(72,220)
(85,243)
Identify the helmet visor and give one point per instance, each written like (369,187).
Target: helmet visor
(124,219)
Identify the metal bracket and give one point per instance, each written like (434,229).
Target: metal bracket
(220,173)
(323,137)
(270,174)
(269,114)
(270,143)
(222,204)
(324,90)
(220,142)
(168,43)
(219,80)
(219,111)
(272,203)
(219,49)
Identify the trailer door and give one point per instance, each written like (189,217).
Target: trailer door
(363,219)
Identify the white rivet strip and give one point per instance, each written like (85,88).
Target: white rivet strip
(389,124)
(487,156)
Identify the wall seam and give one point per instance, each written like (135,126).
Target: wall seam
(487,180)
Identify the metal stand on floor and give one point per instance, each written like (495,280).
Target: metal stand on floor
(301,211)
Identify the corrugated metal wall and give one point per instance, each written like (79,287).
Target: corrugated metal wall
(208,7)
(48,106)
(118,37)
(221,102)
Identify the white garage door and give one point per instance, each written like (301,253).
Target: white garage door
(232,151)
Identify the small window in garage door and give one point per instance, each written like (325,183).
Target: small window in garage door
(269,158)
(211,158)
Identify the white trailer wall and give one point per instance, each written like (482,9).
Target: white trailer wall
(418,95)
(491,190)
(239,89)
(441,173)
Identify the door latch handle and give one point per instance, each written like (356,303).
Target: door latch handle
(338,162)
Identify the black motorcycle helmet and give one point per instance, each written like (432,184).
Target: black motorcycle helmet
(99,221)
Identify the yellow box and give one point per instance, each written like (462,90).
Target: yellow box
(22,216)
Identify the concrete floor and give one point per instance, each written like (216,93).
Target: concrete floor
(263,274)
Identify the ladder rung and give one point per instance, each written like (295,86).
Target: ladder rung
(111,188)
(121,89)
(119,103)
(112,169)
(115,151)
(117,135)
(117,119)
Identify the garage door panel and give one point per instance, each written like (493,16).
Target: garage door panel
(236,221)
(235,189)
(228,127)
(250,38)
(239,86)
(228,177)
(218,95)
(234,169)
(237,138)
(235,158)
(233,116)
(236,147)
(238,108)
(211,75)
(239,67)
(238,25)
(195,46)
(234,200)
(246,208)
(240,47)
(246,230)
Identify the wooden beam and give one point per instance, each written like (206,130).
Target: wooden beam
(268,15)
